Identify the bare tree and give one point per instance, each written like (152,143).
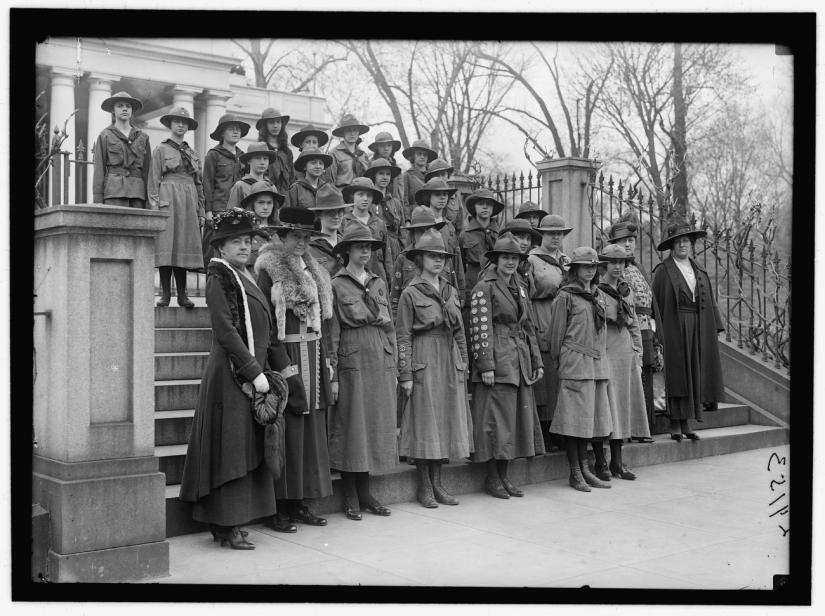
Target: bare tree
(293,70)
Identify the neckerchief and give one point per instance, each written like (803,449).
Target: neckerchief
(442,296)
(551,260)
(598,309)
(186,156)
(624,313)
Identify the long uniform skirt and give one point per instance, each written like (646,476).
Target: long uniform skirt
(690,406)
(583,409)
(505,422)
(436,422)
(238,501)
(363,430)
(625,391)
(179,244)
(546,389)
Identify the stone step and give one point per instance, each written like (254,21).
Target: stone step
(183,365)
(170,461)
(398,485)
(182,339)
(173,427)
(174,317)
(727,415)
(176,395)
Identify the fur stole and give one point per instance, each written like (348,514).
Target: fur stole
(308,297)
(235,295)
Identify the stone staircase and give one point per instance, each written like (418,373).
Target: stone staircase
(182,341)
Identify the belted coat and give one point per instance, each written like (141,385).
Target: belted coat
(346,165)
(121,164)
(577,348)
(302,193)
(475,240)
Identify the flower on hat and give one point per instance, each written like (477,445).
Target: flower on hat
(236,214)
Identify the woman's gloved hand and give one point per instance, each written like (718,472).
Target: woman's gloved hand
(261,384)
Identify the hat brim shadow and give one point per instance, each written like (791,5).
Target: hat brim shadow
(301,164)
(396,145)
(431,154)
(247,156)
(362,129)
(167,121)
(284,121)
(422,196)
(370,173)
(276,196)
(493,255)
(666,244)
(344,245)
(109,103)
(217,134)
(298,138)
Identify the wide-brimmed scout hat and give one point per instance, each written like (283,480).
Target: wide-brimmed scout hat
(356,232)
(297,219)
(422,195)
(312,154)
(328,197)
(308,130)
(422,217)
(224,122)
(109,103)
(439,165)
(677,226)
(349,121)
(382,138)
(262,188)
(232,222)
(528,208)
(506,244)
(178,113)
(482,193)
(584,255)
(430,241)
(362,183)
(259,148)
(553,222)
(382,163)
(519,225)
(422,145)
(271,113)
(621,230)
(612,252)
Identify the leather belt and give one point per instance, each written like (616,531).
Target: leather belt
(118,171)
(584,350)
(305,337)
(289,371)
(506,331)
(644,310)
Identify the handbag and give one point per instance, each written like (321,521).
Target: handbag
(269,407)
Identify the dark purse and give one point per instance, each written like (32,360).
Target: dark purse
(648,335)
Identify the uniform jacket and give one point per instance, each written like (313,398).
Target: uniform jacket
(404,271)
(390,211)
(454,266)
(281,172)
(422,308)
(240,190)
(380,259)
(455,213)
(320,248)
(396,186)
(611,313)
(577,349)
(475,240)
(302,194)
(547,276)
(346,165)
(668,285)
(169,157)
(503,336)
(121,164)
(221,169)
(412,180)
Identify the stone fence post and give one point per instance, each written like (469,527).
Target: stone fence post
(564,193)
(94,467)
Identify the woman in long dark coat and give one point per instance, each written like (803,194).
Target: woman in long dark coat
(506,363)
(224,473)
(690,325)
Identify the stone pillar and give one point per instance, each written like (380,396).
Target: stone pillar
(100,88)
(63,82)
(94,468)
(201,137)
(564,193)
(215,107)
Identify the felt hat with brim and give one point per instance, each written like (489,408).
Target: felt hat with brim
(271,113)
(529,208)
(422,218)
(308,131)
(621,230)
(258,189)
(422,195)
(365,184)
(519,225)
(356,232)
(422,145)
(178,113)
(349,121)
(439,165)
(482,193)
(612,252)
(677,226)
(328,197)
(231,223)
(224,123)
(312,154)
(125,97)
(506,244)
(430,241)
(584,255)
(297,219)
(382,163)
(383,139)
(259,148)
(553,222)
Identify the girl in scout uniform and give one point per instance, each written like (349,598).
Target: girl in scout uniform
(306,138)
(387,207)
(384,147)
(362,194)
(258,157)
(506,362)
(122,156)
(272,131)
(432,366)
(531,212)
(454,212)
(329,216)
(418,154)
(348,160)
(175,186)
(263,201)
(312,162)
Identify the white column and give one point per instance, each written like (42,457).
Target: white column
(202,143)
(215,108)
(62,106)
(100,88)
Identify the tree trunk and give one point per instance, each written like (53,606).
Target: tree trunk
(679,140)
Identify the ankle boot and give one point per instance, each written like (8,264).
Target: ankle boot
(495,488)
(590,478)
(601,471)
(231,536)
(577,481)
(441,495)
(165,285)
(352,507)
(425,488)
(180,285)
(213,528)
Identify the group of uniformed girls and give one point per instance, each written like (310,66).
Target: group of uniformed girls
(403,321)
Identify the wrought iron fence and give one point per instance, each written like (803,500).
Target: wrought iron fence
(54,186)
(514,190)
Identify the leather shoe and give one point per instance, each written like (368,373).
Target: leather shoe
(231,536)
(676,437)
(643,439)
(185,302)
(494,487)
(601,472)
(692,436)
(376,509)
(303,514)
(213,528)
(280,524)
(352,514)
(510,488)
(623,472)
(163,301)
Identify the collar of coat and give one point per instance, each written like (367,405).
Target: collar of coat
(134,133)
(322,244)
(233,291)
(490,274)
(474,225)
(220,149)
(313,189)
(308,297)
(345,272)
(351,216)
(342,146)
